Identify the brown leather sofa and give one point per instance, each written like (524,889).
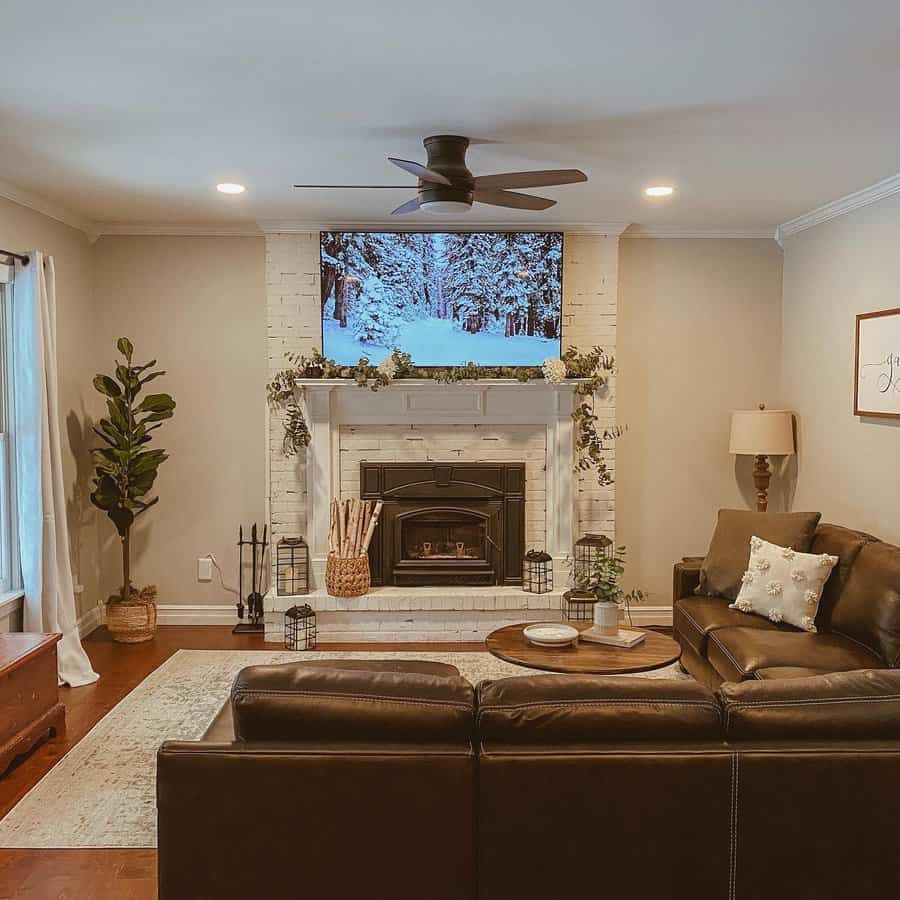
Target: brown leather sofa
(858,620)
(402,783)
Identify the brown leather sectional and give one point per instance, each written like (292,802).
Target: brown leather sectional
(399,781)
(858,621)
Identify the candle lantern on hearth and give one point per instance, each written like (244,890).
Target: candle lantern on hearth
(537,572)
(292,567)
(300,628)
(588,552)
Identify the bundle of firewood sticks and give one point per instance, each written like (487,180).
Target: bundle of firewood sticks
(352,526)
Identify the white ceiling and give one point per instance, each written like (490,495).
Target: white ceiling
(130,112)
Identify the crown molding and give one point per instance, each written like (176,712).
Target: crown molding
(866,197)
(667,232)
(162,229)
(300,226)
(48,208)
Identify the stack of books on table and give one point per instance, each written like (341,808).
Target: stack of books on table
(624,637)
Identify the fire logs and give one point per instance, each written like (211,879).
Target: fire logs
(352,526)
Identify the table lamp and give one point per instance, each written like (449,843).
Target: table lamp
(762,433)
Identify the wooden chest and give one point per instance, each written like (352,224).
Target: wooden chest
(29,694)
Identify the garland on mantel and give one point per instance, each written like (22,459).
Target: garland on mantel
(592,369)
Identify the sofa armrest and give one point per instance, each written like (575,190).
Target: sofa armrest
(861,705)
(685,577)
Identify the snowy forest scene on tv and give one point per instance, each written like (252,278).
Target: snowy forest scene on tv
(447,299)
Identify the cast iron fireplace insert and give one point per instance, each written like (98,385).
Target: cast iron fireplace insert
(447,523)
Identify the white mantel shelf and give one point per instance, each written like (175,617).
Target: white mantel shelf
(402,383)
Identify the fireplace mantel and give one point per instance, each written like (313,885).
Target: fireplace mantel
(332,403)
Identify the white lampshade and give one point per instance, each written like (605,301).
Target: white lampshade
(756,432)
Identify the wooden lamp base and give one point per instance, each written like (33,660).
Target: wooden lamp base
(762,474)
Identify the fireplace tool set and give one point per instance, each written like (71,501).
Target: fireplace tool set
(254,598)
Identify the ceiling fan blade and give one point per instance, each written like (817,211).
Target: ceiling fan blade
(377,187)
(408,207)
(419,171)
(512,200)
(545,178)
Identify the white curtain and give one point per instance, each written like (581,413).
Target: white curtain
(40,492)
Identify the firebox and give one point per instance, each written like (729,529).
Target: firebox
(447,523)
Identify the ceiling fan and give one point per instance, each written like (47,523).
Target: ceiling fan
(447,186)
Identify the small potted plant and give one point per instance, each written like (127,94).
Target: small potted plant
(603,582)
(124,472)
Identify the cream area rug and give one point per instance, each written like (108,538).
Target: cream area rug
(102,793)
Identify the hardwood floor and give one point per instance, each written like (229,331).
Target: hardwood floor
(114,874)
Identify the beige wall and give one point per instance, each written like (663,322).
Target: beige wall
(24,229)
(848,467)
(199,306)
(699,336)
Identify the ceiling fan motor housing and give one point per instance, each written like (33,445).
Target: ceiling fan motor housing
(447,156)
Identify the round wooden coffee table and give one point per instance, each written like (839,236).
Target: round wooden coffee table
(654,652)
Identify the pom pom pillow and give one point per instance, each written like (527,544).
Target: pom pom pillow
(784,585)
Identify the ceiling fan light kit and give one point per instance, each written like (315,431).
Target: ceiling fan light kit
(447,187)
(444,207)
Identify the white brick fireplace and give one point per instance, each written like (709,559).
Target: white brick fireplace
(487,421)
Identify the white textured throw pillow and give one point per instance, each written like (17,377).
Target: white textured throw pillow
(784,585)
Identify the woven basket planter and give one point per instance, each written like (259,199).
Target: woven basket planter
(135,621)
(347,577)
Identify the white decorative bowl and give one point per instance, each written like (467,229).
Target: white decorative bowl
(550,634)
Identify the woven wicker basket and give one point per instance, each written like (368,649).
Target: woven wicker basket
(133,622)
(347,577)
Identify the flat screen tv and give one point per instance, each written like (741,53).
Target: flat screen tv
(446,298)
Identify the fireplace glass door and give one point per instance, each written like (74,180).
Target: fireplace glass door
(445,544)
(442,536)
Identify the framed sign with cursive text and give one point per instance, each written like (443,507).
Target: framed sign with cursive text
(876,390)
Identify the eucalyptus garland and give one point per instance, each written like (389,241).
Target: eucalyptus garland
(592,369)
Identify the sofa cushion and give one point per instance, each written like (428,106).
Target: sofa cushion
(695,617)
(737,653)
(365,700)
(868,608)
(729,551)
(845,544)
(548,710)
(775,672)
(221,729)
(863,705)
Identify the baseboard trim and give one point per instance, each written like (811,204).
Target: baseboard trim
(225,614)
(651,615)
(196,614)
(90,621)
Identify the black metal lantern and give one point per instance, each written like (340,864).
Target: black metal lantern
(588,550)
(300,628)
(537,572)
(292,567)
(578,606)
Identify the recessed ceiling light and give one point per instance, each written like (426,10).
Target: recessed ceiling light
(659,190)
(229,187)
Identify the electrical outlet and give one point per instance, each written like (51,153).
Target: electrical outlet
(204,569)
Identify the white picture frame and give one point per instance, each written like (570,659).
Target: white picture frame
(876,382)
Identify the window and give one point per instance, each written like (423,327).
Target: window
(9,562)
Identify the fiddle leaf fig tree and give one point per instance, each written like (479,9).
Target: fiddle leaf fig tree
(125,468)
